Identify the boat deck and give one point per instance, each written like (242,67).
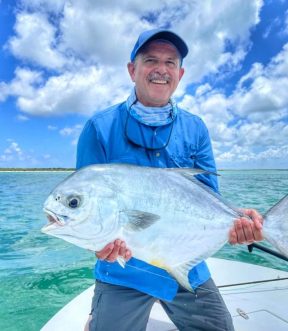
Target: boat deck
(257,298)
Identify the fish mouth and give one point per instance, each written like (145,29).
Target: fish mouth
(54,220)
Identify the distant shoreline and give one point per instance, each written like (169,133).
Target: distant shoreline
(35,169)
(73,169)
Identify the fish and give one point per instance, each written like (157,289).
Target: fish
(166,216)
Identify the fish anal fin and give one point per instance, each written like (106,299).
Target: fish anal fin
(181,272)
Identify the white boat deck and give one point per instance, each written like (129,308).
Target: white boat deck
(257,298)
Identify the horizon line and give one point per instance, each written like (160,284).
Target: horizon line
(73,169)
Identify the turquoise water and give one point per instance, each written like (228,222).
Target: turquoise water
(40,274)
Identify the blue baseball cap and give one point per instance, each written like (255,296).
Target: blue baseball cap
(162,34)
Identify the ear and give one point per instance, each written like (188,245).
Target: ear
(181,73)
(131,70)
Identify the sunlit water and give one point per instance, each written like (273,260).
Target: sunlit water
(40,274)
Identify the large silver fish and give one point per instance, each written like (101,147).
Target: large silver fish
(166,216)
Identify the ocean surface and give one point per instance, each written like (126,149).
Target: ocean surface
(40,274)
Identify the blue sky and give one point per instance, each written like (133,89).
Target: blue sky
(61,61)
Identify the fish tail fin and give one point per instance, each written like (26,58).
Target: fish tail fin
(276,225)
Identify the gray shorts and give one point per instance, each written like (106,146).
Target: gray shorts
(120,308)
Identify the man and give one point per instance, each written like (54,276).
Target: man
(149,129)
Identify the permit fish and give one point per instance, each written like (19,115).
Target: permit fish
(166,216)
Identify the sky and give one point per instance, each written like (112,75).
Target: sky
(63,61)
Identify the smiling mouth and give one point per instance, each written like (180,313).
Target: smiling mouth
(158,81)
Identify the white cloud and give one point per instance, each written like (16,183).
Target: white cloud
(242,155)
(266,96)
(272,27)
(13,148)
(36,41)
(249,126)
(73,132)
(211,28)
(51,6)
(46,156)
(14,155)
(286,23)
(101,33)
(82,92)
(23,84)
(90,42)
(13,151)
(52,127)
(203,89)
(214,108)
(22,118)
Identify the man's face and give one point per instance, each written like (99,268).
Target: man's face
(156,73)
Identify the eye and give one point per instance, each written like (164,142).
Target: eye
(150,61)
(171,64)
(74,201)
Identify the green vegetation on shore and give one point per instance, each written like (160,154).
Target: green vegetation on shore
(37,169)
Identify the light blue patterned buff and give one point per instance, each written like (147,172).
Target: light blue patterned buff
(152,116)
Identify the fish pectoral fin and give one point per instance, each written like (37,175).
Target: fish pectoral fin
(121,261)
(137,220)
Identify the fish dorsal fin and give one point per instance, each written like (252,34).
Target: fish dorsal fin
(190,173)
(137,220)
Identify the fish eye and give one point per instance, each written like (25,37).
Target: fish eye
(73,201)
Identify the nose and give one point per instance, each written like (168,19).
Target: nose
(160,69)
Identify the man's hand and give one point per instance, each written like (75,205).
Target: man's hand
(112,250)
(246,232)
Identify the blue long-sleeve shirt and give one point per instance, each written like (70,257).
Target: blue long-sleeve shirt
(104,139)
